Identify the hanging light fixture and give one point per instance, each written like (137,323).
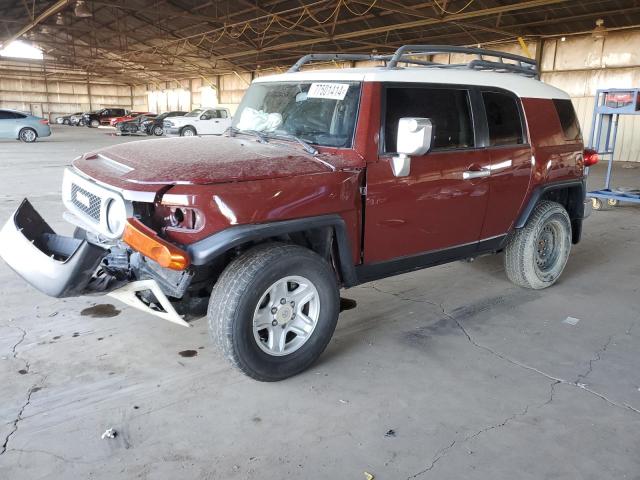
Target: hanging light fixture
(599,31)
(59,19)
(81,10)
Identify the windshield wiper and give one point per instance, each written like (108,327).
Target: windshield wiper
(307,147)
(262,137)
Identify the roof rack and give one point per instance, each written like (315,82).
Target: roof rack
(522,65)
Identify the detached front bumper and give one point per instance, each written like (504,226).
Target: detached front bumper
(56,265)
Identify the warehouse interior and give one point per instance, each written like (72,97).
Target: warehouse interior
(449,372)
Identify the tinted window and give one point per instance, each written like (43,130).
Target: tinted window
(448,110)
(4,115)
(19,115)
(503,118)
(568,119)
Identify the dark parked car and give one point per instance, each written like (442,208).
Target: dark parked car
(326,179)
(135,125)
(154,127)
(103,116)
(66,119)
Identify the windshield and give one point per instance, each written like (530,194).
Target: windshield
(162,116)
(320,113)
(195,113)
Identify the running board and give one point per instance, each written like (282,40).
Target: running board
(127,294)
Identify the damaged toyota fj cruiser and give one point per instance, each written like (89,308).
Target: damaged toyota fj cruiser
(326,179)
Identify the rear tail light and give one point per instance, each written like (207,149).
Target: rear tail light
(144,240)
(44,121)
(590,157)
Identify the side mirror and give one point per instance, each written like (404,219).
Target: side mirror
(415,136)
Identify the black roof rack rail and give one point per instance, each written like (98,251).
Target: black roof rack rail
(520,65)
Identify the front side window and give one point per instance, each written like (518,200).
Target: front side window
(320,113)
(568,119)
(448,110)
(4,115)
(503,119)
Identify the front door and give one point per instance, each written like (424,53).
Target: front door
(209,123)
(434,208)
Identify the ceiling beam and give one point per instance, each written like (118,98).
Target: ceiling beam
(52,10)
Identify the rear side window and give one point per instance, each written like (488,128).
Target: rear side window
(222,113)
(503,119)
(568,119)
(448,109)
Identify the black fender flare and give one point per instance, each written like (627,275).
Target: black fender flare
(538,193)
(206,250)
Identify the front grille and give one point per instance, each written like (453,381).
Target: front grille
(86,202)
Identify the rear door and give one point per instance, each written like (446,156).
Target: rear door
(511,161)
(434,208)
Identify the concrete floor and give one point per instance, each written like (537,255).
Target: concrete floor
(447,373)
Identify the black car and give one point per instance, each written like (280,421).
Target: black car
(154,127)
(135,125)
(103,116)
(66,119)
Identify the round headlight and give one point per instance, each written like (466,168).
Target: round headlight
(116,215)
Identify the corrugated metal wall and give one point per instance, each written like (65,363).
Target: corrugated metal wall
(57,97)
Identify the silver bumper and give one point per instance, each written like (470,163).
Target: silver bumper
(56,265)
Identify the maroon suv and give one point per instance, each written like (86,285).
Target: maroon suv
(327,179)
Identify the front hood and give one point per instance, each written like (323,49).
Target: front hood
(197,160)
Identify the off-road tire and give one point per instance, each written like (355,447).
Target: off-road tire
(188,129)
(28,135)
(522,251)
(235,297)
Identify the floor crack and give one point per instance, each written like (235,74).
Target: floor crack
(554,379)
(593,360)
(439,454)
(14,428)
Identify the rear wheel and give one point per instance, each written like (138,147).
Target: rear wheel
(537,254)
(188,132)
(28,135)
(94,123)
(273,310)
(157,131)
(65,121)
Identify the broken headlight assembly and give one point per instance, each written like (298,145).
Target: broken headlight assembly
(180,218)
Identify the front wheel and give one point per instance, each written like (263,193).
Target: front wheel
(273,310)
(28,135)
(157,131)
(94,123)
(65,122)
(537,254)
(188,132)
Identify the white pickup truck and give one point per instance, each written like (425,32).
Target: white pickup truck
(201,121)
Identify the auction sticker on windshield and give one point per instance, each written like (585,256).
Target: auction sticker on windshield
(333,91)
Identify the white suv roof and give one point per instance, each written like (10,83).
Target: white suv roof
(521,86)
(487,68)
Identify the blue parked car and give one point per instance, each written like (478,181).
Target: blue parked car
(23,126)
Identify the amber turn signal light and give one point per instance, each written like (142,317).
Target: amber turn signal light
(144,240)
